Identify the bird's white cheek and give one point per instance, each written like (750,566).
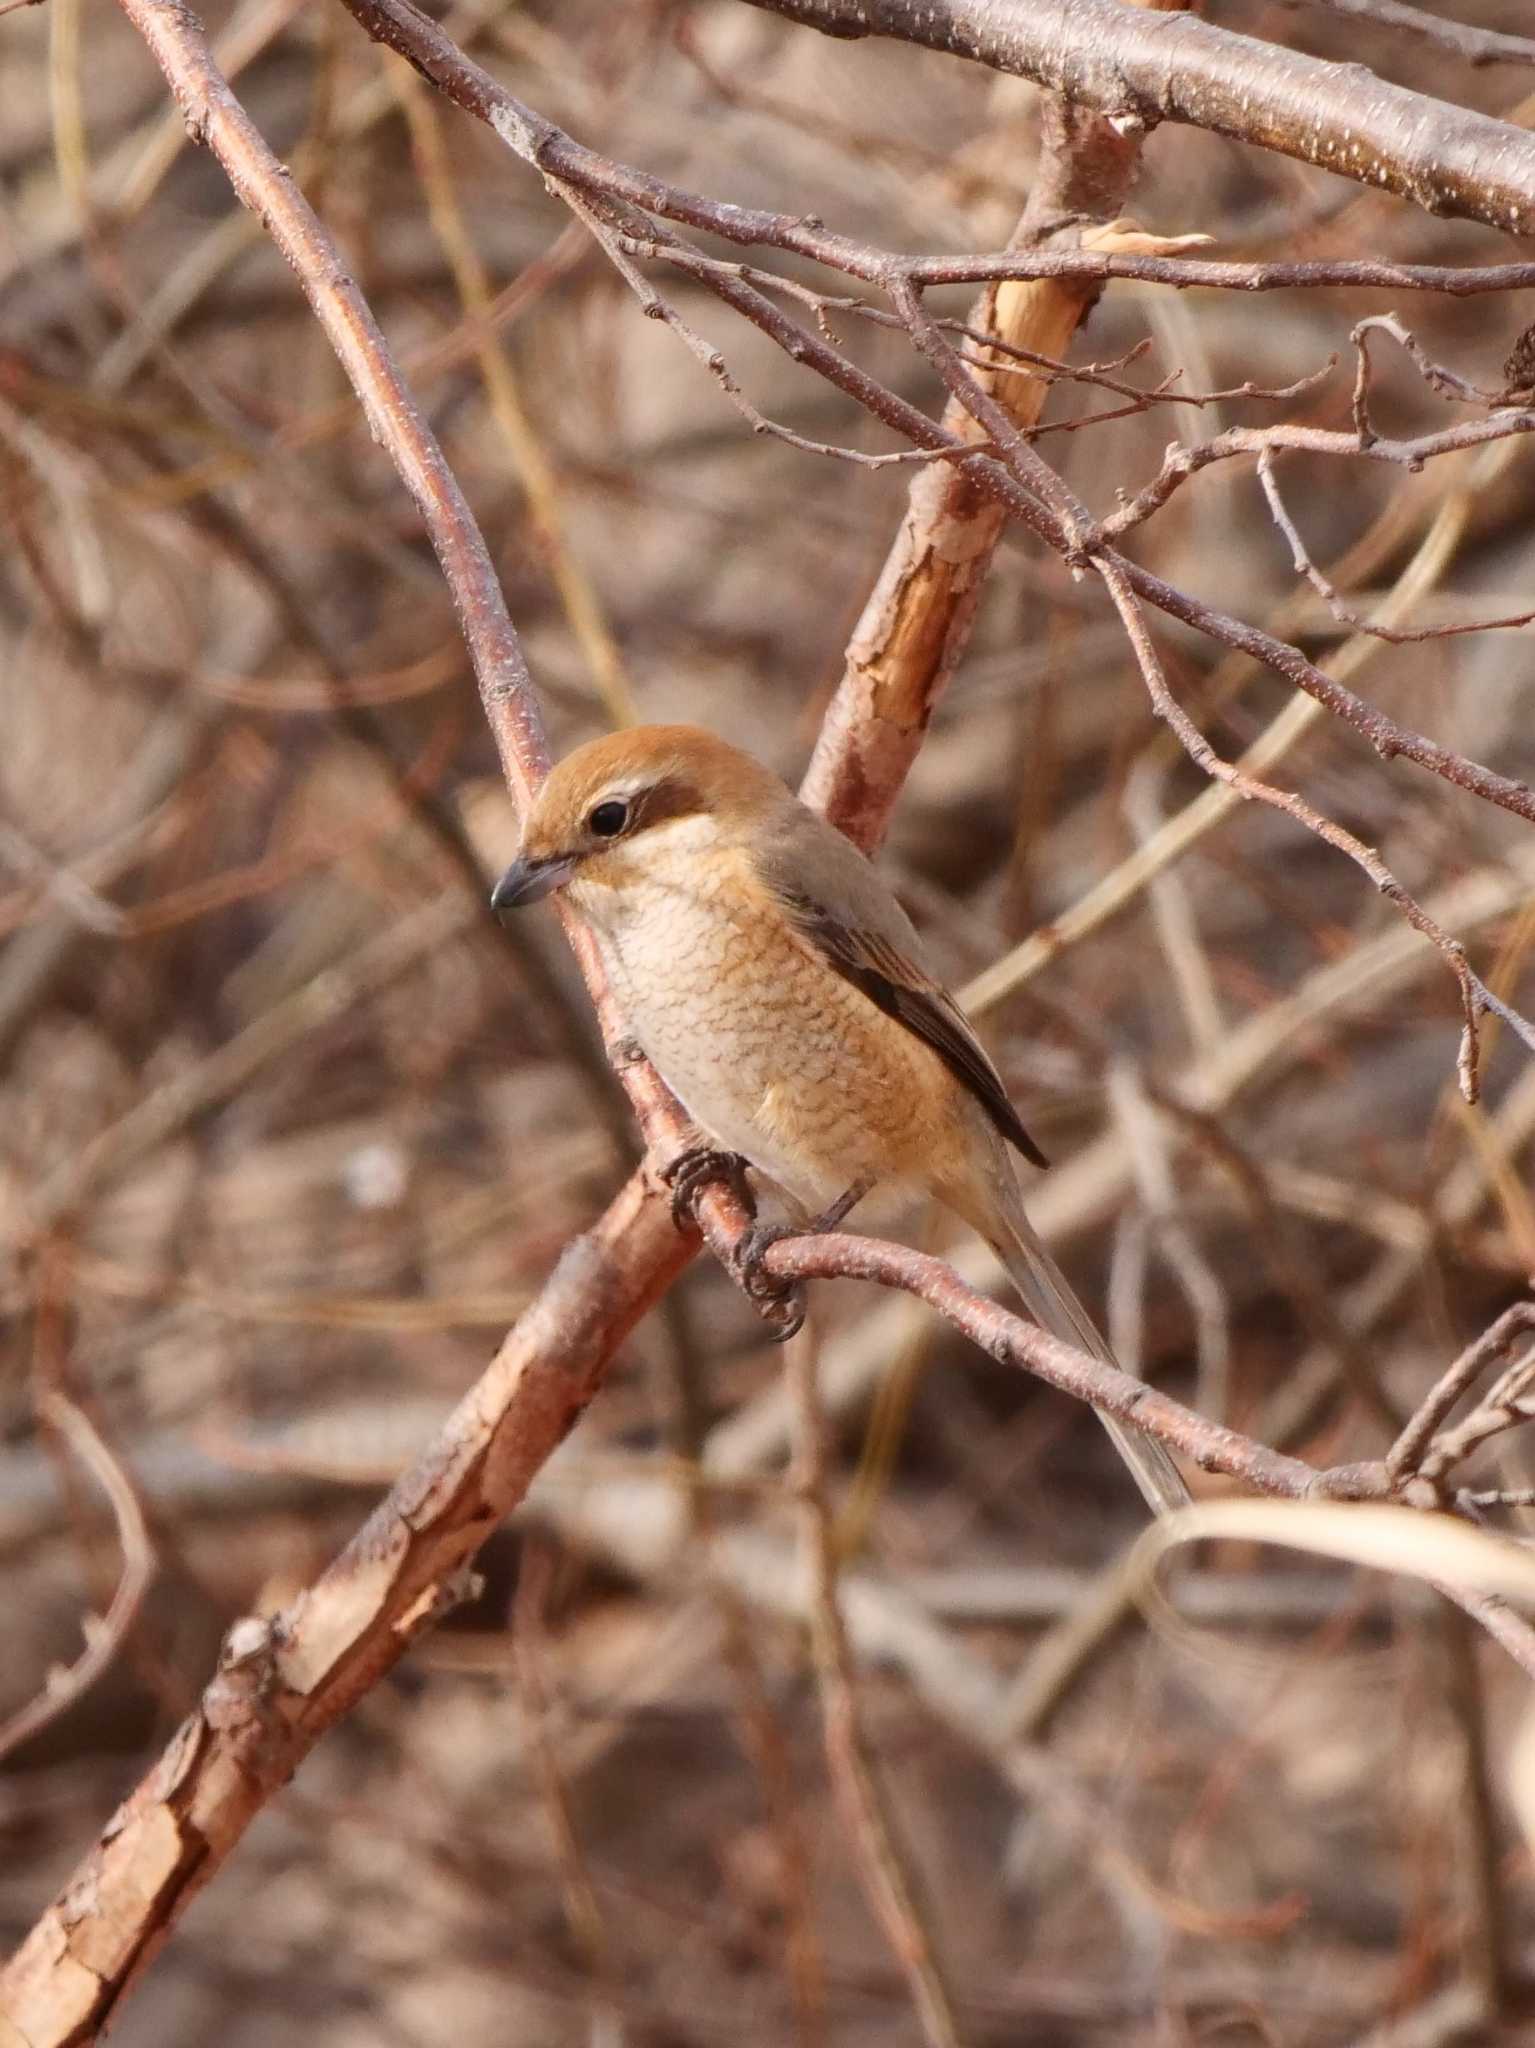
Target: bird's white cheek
(609,913)
(603,906)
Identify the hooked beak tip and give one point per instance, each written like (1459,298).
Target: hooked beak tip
(528,881)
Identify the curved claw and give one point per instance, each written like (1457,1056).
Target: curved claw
(785,1316)
(779,1302)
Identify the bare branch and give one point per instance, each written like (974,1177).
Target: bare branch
(917,620)
(286,1679)
(1475,44)
(106,1633)
(1344,613)
(1476,997)
(1140,69)
(1182,462)
(1017,476)
(558,155)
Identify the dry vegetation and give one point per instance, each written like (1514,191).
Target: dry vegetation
(290,1130)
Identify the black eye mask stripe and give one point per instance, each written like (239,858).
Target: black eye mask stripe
(672,797)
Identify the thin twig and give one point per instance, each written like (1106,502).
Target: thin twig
(104,1634)
(1475,44)
(1345,614)
(1406,1454)
(1508,1402)
(1476,997)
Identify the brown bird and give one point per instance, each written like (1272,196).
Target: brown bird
(771,978)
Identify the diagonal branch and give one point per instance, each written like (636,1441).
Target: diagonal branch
(1462,39)
(918,618)
(1016,475)
(1140,69)
(179,44)
(402,27)
(285,1680)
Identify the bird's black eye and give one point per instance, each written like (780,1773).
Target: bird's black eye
(609,819)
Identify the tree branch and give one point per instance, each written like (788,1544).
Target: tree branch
(550,150)
(1138,69)
(286,1679)
(917,620)
(1475,45)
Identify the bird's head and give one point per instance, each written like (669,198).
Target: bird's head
(605,812)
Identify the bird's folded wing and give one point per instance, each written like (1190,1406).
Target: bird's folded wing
(884,972)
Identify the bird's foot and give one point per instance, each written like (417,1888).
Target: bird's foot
(704,1166)
(780,1303)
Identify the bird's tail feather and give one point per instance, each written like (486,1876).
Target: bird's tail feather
(1047,1295)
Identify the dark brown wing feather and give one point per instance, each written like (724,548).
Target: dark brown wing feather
(903,990)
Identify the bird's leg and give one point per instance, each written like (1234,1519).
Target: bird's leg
(844,1206)
(761,1286)
(695,1169)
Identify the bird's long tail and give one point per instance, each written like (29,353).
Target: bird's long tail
(1047,1295)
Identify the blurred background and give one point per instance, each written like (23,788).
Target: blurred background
(290,1129)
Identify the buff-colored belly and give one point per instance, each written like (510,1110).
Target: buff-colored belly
(771,1052)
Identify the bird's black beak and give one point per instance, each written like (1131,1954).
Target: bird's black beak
(525,881)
